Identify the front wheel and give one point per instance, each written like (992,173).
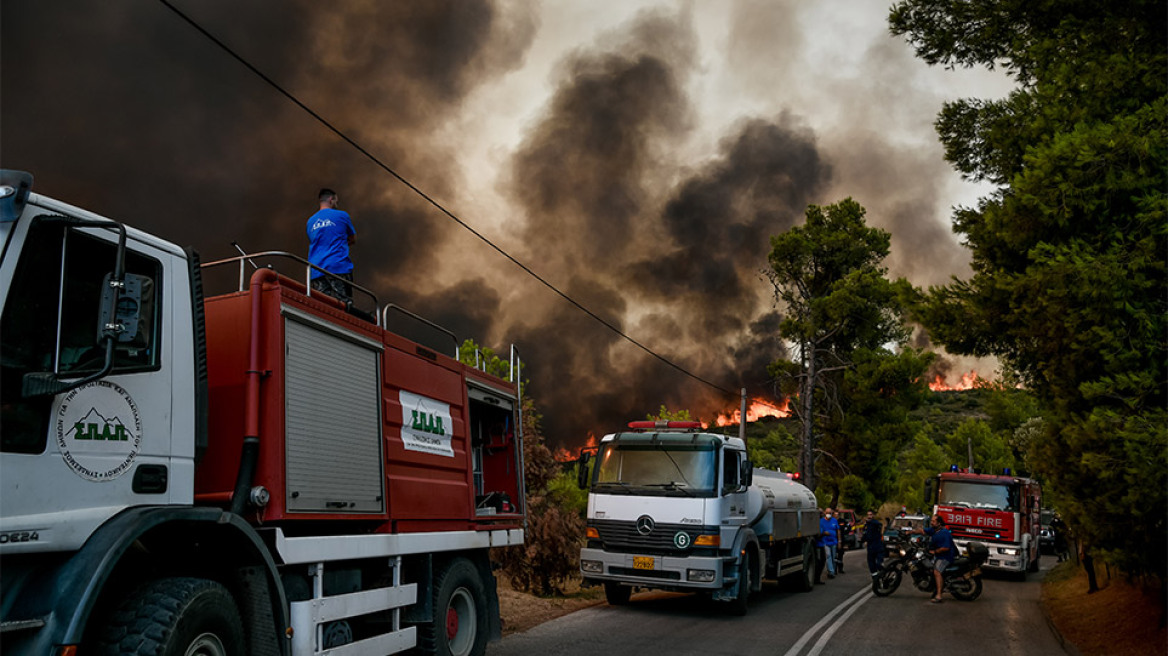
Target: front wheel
(886,582)
(966,589)
(460,614)
(739,604)
(617,594)
(175,617)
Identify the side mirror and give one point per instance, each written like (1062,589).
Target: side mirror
(582,471)
(122,319)
(747,476)
(930,491)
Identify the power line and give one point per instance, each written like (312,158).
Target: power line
(320,119)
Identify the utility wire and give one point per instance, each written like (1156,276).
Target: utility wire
(320,119)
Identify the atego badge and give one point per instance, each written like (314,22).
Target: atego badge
(99,430)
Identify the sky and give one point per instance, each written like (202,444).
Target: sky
(636,155)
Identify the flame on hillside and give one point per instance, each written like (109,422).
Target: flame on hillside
(755,411)
(968,381)
(571,455)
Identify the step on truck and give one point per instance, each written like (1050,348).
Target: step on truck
(673,508)
(262,471)
(1001,511)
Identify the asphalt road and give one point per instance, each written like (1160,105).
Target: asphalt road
(840,618)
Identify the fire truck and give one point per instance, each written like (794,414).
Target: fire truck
(1001,511)
(263,471)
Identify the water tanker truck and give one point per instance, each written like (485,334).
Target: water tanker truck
(673,508)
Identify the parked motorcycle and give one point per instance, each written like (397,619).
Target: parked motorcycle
(911,557)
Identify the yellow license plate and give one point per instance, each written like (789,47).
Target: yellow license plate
(642,562)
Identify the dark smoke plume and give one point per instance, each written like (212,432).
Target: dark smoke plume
(124,109)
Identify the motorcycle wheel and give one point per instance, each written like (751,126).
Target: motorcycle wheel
(966,589)
(925,583)
(885,582)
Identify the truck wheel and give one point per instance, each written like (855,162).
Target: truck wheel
(617,594)
(175,617)
(459,627)
(739,605)
(1034,562)
(805,579)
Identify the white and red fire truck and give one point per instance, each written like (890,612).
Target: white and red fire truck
(1001,511)
(265,471)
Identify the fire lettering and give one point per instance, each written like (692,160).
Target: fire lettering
(993,522)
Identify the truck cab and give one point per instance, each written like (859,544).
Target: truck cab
(674,508)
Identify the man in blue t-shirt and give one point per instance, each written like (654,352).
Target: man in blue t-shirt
(330,232)
(943,550)
(829,529)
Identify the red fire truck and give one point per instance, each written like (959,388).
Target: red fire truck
(1001,511)
(263,471)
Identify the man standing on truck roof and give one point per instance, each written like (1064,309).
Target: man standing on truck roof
(330,232)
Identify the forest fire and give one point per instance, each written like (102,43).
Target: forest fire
(569,455)
(968,381)
(756,410)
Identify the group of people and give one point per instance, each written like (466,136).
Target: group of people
(941,547)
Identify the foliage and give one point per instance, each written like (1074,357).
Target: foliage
(665,414)
(842,312)
(1069,262)
(778,450)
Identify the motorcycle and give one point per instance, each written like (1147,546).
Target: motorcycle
(962,578)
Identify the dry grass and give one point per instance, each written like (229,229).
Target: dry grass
(1118,620)
(520,610)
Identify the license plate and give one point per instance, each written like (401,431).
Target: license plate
(642,562)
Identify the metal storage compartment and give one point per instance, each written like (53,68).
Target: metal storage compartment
(332,421)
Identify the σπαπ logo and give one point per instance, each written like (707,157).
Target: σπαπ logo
(99,430)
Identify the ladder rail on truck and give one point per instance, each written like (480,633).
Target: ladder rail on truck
(1002,511)
(366,495)
(673,508)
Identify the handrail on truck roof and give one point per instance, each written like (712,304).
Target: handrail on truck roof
(250,258)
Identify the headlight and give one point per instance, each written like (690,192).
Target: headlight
(1008,551)
(700,575)
(592,566)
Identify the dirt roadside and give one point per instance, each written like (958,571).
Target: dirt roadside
(521,611)
(1120,619)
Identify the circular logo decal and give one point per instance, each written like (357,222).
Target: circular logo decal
(99,431)
(681,540)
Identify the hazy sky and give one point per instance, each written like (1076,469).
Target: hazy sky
(637,155)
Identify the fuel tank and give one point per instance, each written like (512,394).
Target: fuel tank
(780,507)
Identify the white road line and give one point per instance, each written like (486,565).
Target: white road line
(822,642)
(795,648)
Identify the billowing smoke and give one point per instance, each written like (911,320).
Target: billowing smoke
(617,187)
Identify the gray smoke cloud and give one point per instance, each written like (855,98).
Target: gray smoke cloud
(618,188)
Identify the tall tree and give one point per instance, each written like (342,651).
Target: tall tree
(841,312)
(1069,283)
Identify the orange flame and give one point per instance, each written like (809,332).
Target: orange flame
(968,381)
(756,410)
(570,455)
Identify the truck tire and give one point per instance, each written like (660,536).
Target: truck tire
(1034,562)
(805,579)
(174,617)
(460,626)
(617,594)
(739,605)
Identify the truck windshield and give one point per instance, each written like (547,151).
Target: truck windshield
(979,495)
(657,469)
